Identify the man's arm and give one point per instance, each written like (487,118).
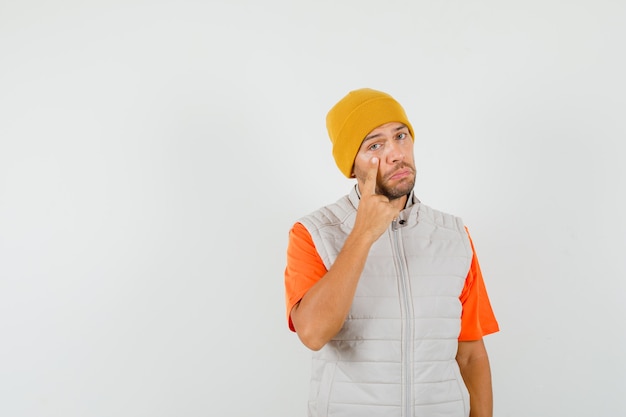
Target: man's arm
(474,364)
(322,311)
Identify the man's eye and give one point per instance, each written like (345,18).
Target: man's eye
(374,147)
(401,135)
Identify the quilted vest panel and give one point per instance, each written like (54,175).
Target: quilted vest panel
(395,354)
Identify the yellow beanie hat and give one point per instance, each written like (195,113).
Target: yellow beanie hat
(356,115)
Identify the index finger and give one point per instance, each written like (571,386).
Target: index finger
(369,187)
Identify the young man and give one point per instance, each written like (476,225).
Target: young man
(385,290)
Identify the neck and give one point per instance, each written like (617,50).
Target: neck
(399,203)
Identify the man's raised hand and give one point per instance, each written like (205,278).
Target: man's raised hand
(375,212)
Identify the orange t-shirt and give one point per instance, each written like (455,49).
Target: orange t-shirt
(305,268)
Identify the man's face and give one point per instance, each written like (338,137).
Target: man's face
(392,144)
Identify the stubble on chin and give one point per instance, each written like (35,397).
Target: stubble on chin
(402,188)
(399,190)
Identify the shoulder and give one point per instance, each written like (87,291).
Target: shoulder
(439,218)
(331,214)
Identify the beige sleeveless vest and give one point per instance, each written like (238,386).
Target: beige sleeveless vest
(395,354)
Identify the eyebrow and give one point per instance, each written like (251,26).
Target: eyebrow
(403,126)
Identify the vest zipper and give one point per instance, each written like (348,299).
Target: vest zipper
(405,305)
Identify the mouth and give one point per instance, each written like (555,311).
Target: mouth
(400,174)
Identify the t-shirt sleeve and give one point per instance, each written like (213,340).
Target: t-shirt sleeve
(477,319)
(304,267)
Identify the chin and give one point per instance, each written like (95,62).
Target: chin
(398,191)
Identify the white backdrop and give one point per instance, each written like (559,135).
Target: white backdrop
(153,155)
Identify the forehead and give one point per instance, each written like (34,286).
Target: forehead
(390,127)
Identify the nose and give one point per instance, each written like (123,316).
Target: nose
(395,152)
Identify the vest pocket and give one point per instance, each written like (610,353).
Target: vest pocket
(323,396)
